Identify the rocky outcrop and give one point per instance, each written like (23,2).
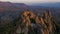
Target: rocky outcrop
(37,24)
(30,23)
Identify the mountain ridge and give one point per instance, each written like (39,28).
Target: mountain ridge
(56,5)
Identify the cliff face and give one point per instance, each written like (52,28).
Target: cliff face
(37,24)
(31,23)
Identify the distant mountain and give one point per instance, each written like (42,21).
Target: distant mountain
(8,6)
(37,7)
(55,5)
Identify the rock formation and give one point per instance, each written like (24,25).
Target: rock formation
(31,23)
(38,24)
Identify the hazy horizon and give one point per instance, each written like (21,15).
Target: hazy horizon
(31,1)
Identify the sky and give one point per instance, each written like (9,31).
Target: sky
(30,1)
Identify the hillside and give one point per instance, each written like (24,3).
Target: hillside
(31,23)
(8,6)
(19,18)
